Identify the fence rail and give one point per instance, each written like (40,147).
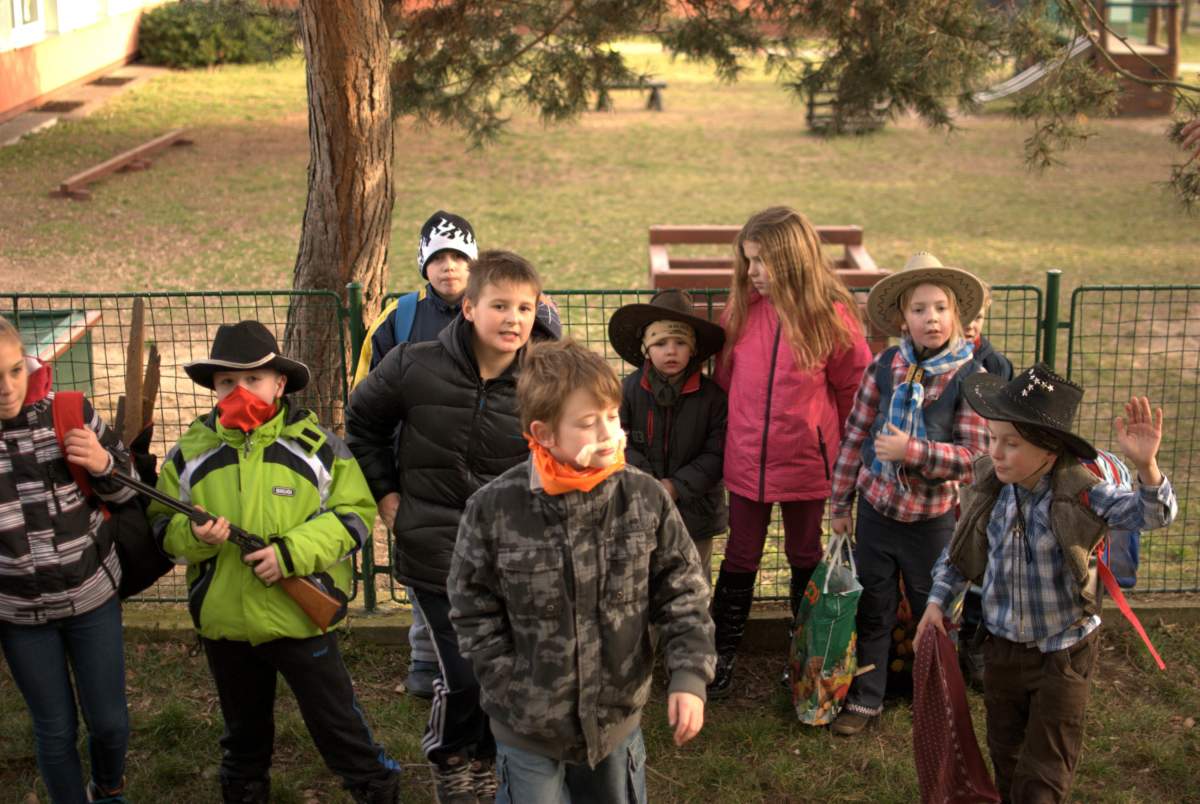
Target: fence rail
(1119,340)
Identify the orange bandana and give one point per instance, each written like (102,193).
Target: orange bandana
(559,478)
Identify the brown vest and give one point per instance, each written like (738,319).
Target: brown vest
(1077,528)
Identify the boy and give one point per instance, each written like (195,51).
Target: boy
(568,569)
(673,415)
(277,473)
(1029,529)
(456,398)
(445,249)
(986,355)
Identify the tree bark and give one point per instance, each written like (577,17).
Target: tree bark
(348,214)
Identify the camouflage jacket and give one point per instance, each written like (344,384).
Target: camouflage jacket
(559,602)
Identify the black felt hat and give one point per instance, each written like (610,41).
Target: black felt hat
(243,346)
(627,325)
(1037,397)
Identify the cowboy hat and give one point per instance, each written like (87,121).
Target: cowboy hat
(920,269)
(628,324)
(243,346)
(1036,397)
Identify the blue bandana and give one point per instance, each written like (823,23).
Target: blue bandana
(904,410)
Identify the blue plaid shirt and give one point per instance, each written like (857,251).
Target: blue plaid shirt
(1028,594)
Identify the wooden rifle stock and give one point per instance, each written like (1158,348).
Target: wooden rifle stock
(320,606)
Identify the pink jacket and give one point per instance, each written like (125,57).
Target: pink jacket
(785,425)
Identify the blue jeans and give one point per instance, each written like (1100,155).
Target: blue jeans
(38,656)
(620,778)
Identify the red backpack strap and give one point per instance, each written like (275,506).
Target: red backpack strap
(67,410)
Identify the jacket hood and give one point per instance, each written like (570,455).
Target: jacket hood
(291,422)
(41,378)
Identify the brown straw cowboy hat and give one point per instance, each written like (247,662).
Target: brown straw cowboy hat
(627,325)
(921,268)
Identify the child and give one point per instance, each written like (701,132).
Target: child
(568,569)
(444,252)
(60,617)
(277,473)
(1030,525)
(970,647)
(909,441)
(456,398)
(986,355)
(673,415)
(794,353)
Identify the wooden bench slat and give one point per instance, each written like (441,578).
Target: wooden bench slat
(76,184)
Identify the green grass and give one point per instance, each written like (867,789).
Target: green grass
(1138,748)
(578,198)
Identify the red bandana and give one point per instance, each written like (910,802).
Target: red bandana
(242,410)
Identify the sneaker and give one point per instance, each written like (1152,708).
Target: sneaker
(850,723)
(483,774)
(98,796)
(455,783)
(421,676)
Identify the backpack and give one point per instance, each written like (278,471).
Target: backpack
(1122,548)
(125,525)
(406,313)
(1107,466)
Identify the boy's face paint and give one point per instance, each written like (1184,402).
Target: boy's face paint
(503,316)
(670,355)
(757,271)
(927,317)
(14,379)
(266,384)
(1015,459)
(447,272)
(588,435)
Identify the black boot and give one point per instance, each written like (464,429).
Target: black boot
(731,607)
(800,576)
(246,792)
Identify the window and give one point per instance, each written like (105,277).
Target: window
(29,25)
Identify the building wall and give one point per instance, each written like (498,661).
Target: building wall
(67,42)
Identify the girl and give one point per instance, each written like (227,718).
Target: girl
(59,612)
(794,353)
(909,442)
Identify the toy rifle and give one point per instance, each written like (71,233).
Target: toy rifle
(320,606)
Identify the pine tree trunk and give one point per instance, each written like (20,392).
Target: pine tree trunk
(348,215)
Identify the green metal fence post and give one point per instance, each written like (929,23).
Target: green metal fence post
(1050,323)
(354,314)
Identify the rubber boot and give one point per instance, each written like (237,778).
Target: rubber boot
(800,576)
(731,608)
(246,792)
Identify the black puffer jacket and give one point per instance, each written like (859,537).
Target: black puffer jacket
(459,433)
(684,443)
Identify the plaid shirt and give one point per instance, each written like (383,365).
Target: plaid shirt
(924,461)
(1028,594)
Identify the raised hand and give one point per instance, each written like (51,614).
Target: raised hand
(1139,432)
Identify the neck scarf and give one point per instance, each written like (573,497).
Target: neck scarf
(666,390)
(242,410)
(904,409)
(559,478)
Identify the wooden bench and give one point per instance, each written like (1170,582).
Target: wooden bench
(654,102)
(853,264)
(134,159)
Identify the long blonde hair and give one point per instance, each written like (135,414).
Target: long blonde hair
(804,287)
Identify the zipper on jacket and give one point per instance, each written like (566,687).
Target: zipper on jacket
(762,462)
(824,454)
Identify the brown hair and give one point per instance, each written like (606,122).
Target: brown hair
(552,370)
(494,267)
(956,324)
(9,333)
(804,287)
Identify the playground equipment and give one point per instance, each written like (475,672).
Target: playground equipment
(1155,58)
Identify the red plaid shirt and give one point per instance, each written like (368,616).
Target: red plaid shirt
(924,461)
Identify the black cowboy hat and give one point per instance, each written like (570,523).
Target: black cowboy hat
(628,324)
(243,346)
(1037,397)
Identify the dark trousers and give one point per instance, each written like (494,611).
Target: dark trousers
(1035,714)
(748,523)
(457,725)
(245,676)
(885,551)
